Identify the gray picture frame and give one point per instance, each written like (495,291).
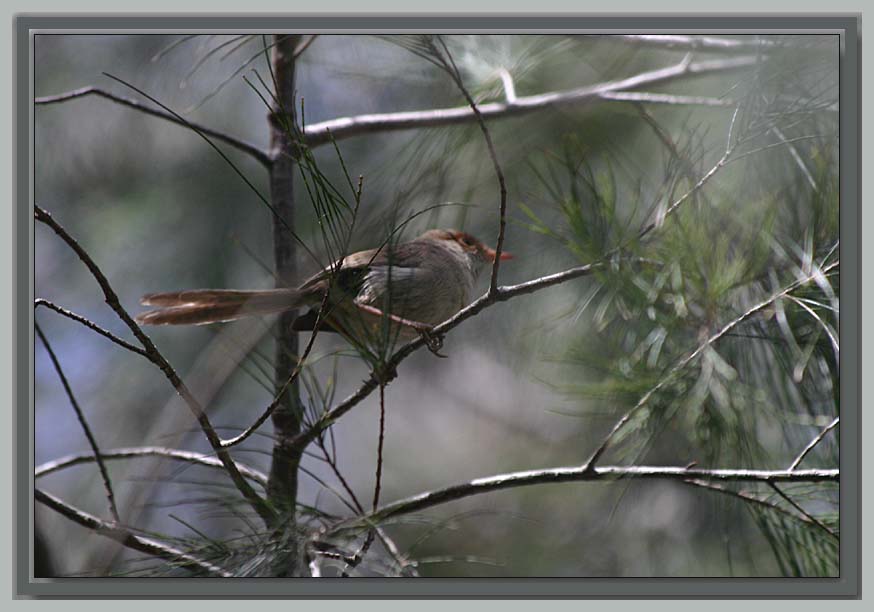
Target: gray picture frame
(848,585)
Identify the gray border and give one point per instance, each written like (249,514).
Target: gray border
(847,586)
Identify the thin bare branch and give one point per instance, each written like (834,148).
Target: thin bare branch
(804,512)
(822,434)
(304,45)
(80,416)
(748,497)
(377,486)
(89,324)
(502,294)
(452,70)
(345,127)
(278,399)
(796,156)
(237,143)
(173,454)
(127,538)
(512,480)
(155,356)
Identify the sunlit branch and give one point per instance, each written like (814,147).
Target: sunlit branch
(584,474)
(694,43)
(320,133)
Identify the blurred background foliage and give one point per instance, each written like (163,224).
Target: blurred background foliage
(531,383)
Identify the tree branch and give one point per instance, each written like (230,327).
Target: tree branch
(453,72)
(346,127)
(262,156)
(62,463)
(89,435)
(90,325)
(814,442)
(584,474)
(155,356)
(127,538)
(502,294)
(804,512)
(693,43)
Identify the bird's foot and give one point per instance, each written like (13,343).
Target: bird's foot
(433,341)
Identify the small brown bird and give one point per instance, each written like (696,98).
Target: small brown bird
(417,285)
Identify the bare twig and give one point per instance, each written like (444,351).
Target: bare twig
(814,442)
(129,539)
(241,145)
(277,400)
(304,45)
(377,483)
(721,162)
(345,127)
(804,512)
(89,324)
(584,474)
(748,497)
(155,356)
(796,156)
(452,70)
(80,416)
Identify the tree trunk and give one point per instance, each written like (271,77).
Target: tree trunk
(282,484)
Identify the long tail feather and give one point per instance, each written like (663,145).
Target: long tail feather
(203,306)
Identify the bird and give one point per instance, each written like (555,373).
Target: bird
(414,285)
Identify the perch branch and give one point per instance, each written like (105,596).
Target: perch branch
(502,294)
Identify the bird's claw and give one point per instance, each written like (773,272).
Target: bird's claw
(434,342)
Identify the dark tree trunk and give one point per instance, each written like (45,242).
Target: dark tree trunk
(282,485)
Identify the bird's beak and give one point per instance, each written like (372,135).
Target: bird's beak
(490,254)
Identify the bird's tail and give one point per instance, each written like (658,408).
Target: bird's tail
(203,306)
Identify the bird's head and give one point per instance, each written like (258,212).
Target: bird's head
(468,244)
